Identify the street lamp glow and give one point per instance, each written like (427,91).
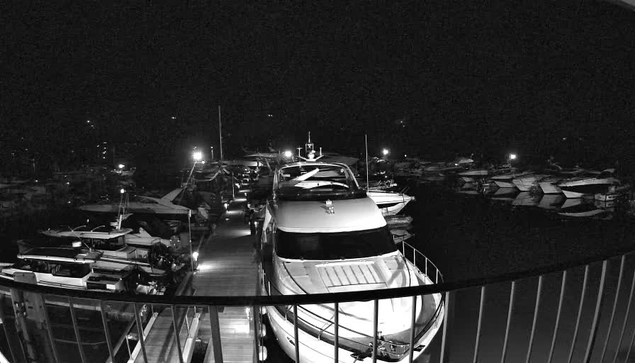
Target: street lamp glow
(512,156)
(385,152)
(121,166)
(287,154)
(122,191)
(197,156)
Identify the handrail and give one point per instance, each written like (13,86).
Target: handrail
(313,298)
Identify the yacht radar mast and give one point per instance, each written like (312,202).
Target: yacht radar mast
(309,149)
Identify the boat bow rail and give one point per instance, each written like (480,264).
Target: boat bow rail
(311,317)
(510,317)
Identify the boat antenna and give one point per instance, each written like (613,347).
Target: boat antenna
(220,136)
(366,147)
(122,207)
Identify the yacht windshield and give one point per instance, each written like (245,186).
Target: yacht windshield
(334,246)
(317,182)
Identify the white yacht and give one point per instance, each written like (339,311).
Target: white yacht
(390,203)
(73,268)
(323,234)
(505,180)
(120,248)
(528,182)
(164,206)
(578,187)
(549,184)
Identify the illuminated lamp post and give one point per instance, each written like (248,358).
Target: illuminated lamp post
(198,157)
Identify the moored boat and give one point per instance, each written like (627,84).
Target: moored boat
(527,182)
(73,268)
(549,185)
(390,203)
(578,187)
(323,234)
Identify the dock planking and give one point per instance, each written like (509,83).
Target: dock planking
(226,267)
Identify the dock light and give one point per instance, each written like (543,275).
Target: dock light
(512,156)
(226,205)
(121,166)
(195,255)
(197,156)
(122,190)
(287,154)
(385,152)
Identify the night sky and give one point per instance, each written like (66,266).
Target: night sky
(427,78)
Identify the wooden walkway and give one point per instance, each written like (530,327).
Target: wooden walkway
(226,267)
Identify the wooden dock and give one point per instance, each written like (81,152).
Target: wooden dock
(227,266)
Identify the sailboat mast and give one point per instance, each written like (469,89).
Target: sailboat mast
(220,134)
(366,146)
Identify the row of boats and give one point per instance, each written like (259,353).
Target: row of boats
(103,258)
(320,233)
(573,182)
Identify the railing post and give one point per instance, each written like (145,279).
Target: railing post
(216,338)
(563,282)
(19,309)
(596,314)
(375,328)
(414,256)
(177,334)
(446,308)
(535,320)
(140,331)
(336,333)
(187,322)
(510,310)
(617,295)
(76,329)
(628,310)
(478,324)
(296,334)
(104,321)
(426,267)
(413,324)
(577,323)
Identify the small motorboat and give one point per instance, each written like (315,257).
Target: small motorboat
(390,203)
(74,268)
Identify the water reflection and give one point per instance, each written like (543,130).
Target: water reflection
(585,207)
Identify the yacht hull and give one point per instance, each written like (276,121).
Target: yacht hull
(504,184)
(314,350)
(549,188)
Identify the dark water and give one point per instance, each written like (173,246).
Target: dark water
(475,235)
(25,227)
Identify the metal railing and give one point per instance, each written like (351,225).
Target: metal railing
(575,312)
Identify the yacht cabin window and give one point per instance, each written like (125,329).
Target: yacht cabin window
(334,246)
